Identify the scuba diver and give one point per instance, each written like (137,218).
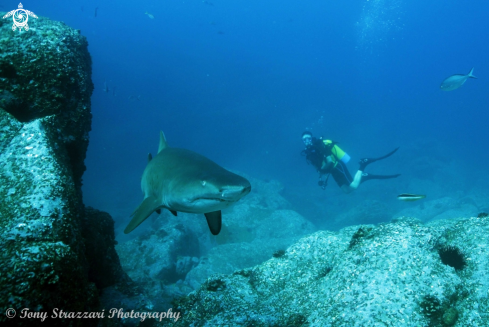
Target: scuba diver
(329,159)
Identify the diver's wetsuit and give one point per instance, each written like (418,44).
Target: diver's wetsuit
(325,157)
(317,153)
(340,174)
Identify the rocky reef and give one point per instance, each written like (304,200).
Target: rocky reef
(399,273)
(177,254)
(48,258)
(268,266)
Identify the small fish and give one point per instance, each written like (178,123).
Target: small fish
(455,81)
(208,3)
(149,15)
(410,197)
(106,87)
(95,15)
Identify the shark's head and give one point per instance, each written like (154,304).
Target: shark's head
(208,192)
(182,180)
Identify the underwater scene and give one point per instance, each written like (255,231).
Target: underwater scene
(244,163)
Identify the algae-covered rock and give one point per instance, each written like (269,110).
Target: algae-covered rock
(393,275)
(45,90)
(104,265)
(46,72)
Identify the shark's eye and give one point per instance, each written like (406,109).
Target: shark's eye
(203,183)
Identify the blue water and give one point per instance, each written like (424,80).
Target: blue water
(239,81)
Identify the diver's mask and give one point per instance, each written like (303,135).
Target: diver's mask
(307,139)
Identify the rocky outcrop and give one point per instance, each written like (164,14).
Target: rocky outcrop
(48,259)
(104,266)
(45,77)
(154,255)
(252,235)
(400,273)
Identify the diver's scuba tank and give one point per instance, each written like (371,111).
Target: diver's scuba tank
(337,152)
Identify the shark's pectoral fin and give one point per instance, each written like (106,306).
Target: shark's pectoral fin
(145,209)
(214,221)
(173,212)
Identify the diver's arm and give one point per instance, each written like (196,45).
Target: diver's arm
(327,164)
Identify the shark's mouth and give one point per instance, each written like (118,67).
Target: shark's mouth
(206,204)
(211,199)
(223,199)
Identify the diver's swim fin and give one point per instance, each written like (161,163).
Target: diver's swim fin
(366,161)
(366,176)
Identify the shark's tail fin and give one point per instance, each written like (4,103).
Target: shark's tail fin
(470,74)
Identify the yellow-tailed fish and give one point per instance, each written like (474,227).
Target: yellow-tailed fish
(410,197)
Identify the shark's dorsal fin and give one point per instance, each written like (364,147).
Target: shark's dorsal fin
(163,144)
(150,156)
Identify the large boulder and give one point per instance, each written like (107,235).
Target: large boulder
(159,254)
(48,258)
(45,79)
(400,273)
(250,236)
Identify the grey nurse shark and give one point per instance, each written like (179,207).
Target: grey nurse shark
(182,180)
(455,81)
